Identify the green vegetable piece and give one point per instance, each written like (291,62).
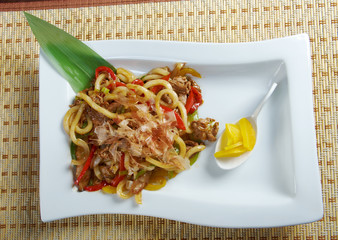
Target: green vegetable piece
(73,59)
(123,173)
(73,151)
(193,116)
(194,158)
(140,173)
(105,90)
(171,174)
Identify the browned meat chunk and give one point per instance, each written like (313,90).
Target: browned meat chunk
(107,174)
(195,85)
(166,99)
(180,85)
(104,153)
(98,98)
(205,129)
(140,183)
(190,144)
(97,118)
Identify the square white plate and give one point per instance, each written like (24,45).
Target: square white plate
(279,185)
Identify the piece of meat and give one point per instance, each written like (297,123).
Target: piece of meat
(104,153)
(140,183)
(97,118)
(180,85)
(183,98)
(204,129)
(194,84)
(166,99)
(190,144)
(107,173)
(113,107)
(98,98)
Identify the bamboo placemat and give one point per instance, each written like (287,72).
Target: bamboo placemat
(197,21)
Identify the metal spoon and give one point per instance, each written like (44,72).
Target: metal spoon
(228,163)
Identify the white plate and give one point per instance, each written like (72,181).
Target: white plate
(278,186)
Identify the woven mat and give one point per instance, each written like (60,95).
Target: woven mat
(203,21)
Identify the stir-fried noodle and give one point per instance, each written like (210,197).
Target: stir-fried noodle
(128,134)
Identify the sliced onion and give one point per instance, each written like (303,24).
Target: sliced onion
(97,161)
(97,172)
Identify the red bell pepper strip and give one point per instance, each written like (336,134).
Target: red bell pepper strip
(197,95)
(158,88)
(96,187)
(166,109)
(166,77)
(194,100)
(194,107)
(190,101)
(180,123)
(138,82)
(119,84)
(115,85)
(87,164)
(111,86)
(118,178)
(105,69)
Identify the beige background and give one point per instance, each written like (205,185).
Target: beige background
(197,21)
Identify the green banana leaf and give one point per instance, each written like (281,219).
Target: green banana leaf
(73,59)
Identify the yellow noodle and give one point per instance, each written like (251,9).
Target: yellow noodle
(168,167)
(67,118)
(117,92)
(97,107)
(120,190)
(147,94)
(181,144)
(184,116)
(159,71)
(156,183)
(110,96)
(138,198)
(159,95)
(121,90)
(99,80)
(125,76)
(146,166)
(86,129)
(194,150)
(151,77)
(160,169)
(156,73)
(156,82)
(77,141)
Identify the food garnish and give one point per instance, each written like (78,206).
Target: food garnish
(237,139)
(130,134)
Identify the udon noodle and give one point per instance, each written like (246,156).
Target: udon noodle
(128,134)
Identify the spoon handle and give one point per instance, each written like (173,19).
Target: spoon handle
(261,104)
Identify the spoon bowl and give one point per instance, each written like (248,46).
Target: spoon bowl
(228,163)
